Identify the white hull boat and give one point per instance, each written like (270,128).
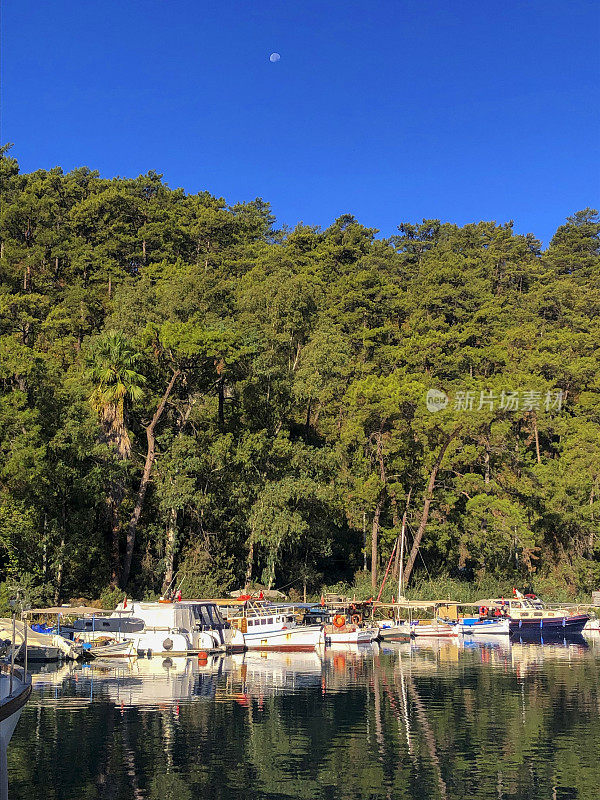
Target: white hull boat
(40,646)
(475,626)
(124,649)
(432,628)
(592,624)
(178,628)
(394,631)
(266,627)
(300,637)
(349,635)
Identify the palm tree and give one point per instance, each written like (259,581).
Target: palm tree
(112,369)
(112,372)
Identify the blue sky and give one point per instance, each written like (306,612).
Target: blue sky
(392,110)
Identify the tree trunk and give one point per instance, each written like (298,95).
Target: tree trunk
(537,438)
(396,573)
(221,387)
(591,541)
(170,551)
(150,455)
(428,498)
(376,516)
(487,457)
(59,571)
(374,536)
(249,562)
(115,530)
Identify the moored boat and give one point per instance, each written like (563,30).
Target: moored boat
(472,626)
(529,615)
(266,627)
(124,649)
(392,630)
(178,628)
(433,627)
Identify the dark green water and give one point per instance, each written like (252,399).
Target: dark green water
(443,720)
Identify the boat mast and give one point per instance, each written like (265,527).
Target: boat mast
(401,571)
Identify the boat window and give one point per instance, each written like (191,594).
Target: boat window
(517,605)
(201,615)
(106,623)
(263,622)
(250,622)
(270,621)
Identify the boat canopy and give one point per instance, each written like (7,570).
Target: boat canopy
(69,611)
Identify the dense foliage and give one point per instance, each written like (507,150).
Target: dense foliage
(187,393)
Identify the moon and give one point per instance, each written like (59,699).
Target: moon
(274,57)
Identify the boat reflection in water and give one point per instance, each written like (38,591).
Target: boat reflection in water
(429,718)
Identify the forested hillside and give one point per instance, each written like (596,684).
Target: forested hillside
(186,389)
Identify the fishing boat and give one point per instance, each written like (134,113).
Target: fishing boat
(266,627)
(527,614)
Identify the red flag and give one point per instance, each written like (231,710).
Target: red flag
(322,600)
(261,595)
(179,596)
(125,602)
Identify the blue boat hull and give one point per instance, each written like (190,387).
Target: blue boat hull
(555,625)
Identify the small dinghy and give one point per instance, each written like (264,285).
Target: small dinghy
(123,649)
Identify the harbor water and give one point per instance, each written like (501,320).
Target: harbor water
(448,719)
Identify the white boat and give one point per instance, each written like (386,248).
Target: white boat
(273,628)
(473,626)
(349,634)
(432,627)
(178,628)
(40,646)
(124,649)
(593,624)
(390,630)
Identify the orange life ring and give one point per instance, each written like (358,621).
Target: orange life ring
(356,620)
(339,621)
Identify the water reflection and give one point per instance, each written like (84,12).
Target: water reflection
(428,719)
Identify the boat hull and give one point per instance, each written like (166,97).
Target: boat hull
(557,625)
(299,638)
(395,633)
(486,626)
(357,636)
(125,649)
(436,629)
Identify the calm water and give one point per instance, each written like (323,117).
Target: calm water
(439,720)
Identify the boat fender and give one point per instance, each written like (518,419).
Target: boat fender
(339,621)
(356,619)
(168,644)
